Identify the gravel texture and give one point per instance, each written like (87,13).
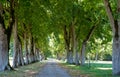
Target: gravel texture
(51,69)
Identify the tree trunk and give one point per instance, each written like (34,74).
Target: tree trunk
(26,49)
(20,54)
(9,29)
(115,25)
(29,48)
(70,57)
(116,57)
(35,55)
(74,44)
(17,58)
(4,55)
(16,45)
(77,58)
(96,56)
(3,48)
(82,57)
(84,44)
(32,51)
(67,36)
(19,61)
(38,54)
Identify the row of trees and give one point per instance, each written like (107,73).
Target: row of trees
(73,24)
(83,22)
(15,28)
(78,21)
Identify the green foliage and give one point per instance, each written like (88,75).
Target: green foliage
(99,49)
(43,18)
(47,54)
(97,69)
(107,57)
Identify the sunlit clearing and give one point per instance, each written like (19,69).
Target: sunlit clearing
(105,68)
(72,65)
(104,62)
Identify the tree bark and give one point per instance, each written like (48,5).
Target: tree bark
(83,53)
(3,47)
(84,44)
(18,57)
(74,44)
(29,48)
(4,55)
(38,54)
(20,54)
(32,58)
(77,58)
(9,29)
(16,45)
(26,49)
(96,56)
(67,36)
(115,25)
(70,57)
(35,55)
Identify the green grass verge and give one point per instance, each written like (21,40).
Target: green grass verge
(24,71)
(92,70)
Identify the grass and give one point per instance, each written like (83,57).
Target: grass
(95,69)
(24,71)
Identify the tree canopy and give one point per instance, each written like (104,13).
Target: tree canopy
(65,29)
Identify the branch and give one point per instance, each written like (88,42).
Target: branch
(91,31)
(118,7)
(109,12)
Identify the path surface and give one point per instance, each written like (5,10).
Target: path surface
(51,69)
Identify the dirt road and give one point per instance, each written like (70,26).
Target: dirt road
(51,69)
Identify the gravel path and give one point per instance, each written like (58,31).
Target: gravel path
(51,69)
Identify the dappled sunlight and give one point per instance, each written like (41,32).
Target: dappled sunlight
(96,69)
(100,68)
(75,34)
(104,62)
(11,60)
(99,62)
(24,71)
(30,72)
(72,65)
(51,60)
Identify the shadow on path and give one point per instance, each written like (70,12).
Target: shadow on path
(51,69)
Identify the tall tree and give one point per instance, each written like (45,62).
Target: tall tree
(84,43)
(3,43)
(116,34)
(26,47)
(16,44)
(67,38)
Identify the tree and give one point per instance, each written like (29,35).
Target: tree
(16,44)
(115,30)
(3,43)
(67,38)
(83,49)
